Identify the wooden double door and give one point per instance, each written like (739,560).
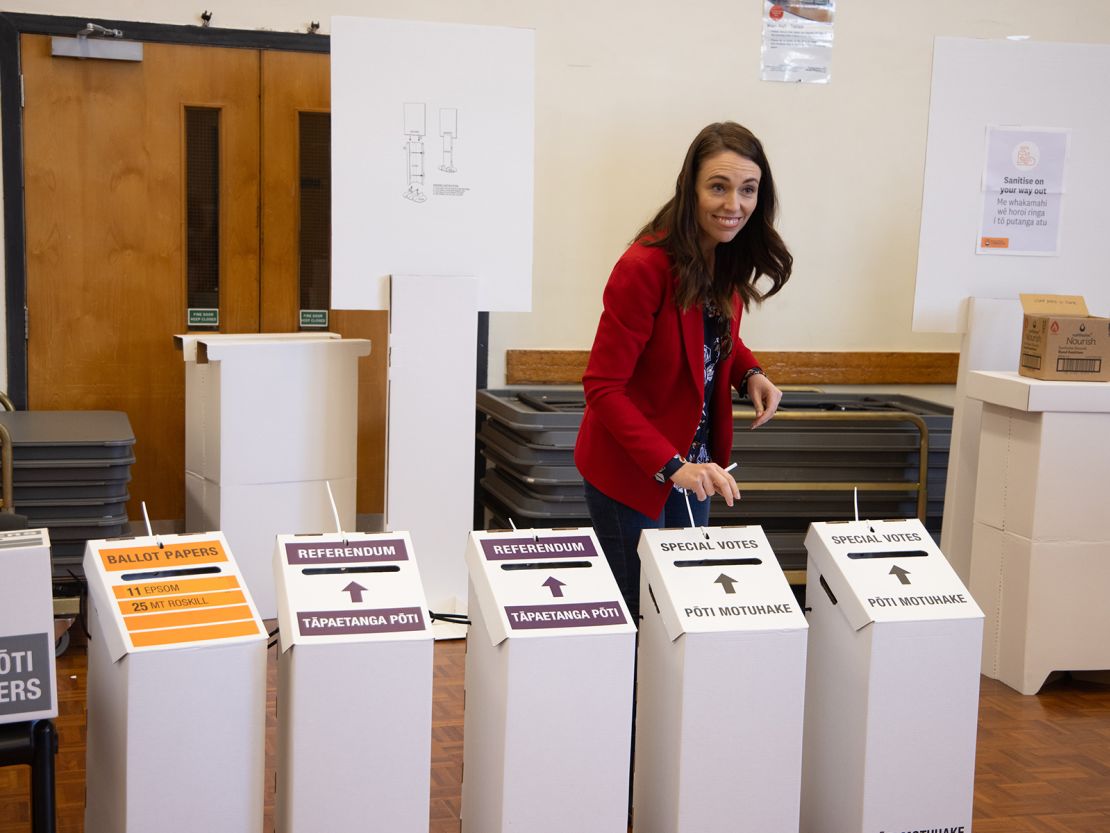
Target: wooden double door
(122,241)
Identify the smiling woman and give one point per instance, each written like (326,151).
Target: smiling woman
(657,429)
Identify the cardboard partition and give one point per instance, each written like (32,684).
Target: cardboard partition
(720,684)
(549,682)
(27,687)
(176,688)
(447,306)
(354,685)
(251,515)
(892,682)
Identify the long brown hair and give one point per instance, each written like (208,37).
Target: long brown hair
(756,250)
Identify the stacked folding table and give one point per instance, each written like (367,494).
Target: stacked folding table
(798,468)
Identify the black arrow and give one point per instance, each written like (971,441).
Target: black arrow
(729,584)
(555,586)
(355,589)
(902,574)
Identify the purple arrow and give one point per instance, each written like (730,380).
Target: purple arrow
(555,586)
(355,589)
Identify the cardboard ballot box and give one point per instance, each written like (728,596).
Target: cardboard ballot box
(176,688)
(27,690)
(1060,340)
(720,682)
(270,418)
(892,682)
(549,679)
(354,685)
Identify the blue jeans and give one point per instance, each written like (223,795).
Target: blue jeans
(618,529)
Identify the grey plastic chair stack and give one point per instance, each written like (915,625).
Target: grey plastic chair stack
(70,475)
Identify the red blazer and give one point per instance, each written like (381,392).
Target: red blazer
(645,383)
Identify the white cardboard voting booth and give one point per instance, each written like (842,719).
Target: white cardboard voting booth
(1041,535)
(176,688)
(720,684)
(549,680)
(354,685)
(27,689)
(269,420)
(892,682)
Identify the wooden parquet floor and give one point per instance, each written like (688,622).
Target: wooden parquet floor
(1043,762)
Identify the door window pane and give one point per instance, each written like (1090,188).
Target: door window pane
(315,216)
(202,212)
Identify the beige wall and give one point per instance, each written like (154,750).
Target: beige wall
(621,88)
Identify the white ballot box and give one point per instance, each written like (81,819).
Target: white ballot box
(354,695)
(892,682)
(27,690)
(720,685)
(549,678)
(176,688)
(269,420)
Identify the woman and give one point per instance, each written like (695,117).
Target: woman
(657,418)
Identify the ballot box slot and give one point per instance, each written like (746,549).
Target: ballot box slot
(719,562)
(183,571)
(367,568)
(546,565)
(889,554)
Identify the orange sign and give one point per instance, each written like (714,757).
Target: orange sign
(995,242)
(182,554)
(203,633)
(169,603)
(169,586)
(162,608)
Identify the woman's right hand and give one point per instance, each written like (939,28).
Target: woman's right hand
(706,479)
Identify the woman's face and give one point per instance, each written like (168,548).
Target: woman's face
(727,189)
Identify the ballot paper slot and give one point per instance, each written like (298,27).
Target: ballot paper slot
(546,565)
(332,571)
(183,571)
(720,562)
(889,554)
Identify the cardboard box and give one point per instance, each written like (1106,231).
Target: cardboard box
(549,680)
(27,689)
(354,685)
(176,688)
(892,682)
(1061,341)
(720,685)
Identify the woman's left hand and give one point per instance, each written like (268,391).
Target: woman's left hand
(765,398)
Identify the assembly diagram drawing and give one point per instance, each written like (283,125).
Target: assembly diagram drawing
(416,128)
(448,131)
(414,150)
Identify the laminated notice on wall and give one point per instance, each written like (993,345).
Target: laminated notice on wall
(797,41)
(1023,191)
